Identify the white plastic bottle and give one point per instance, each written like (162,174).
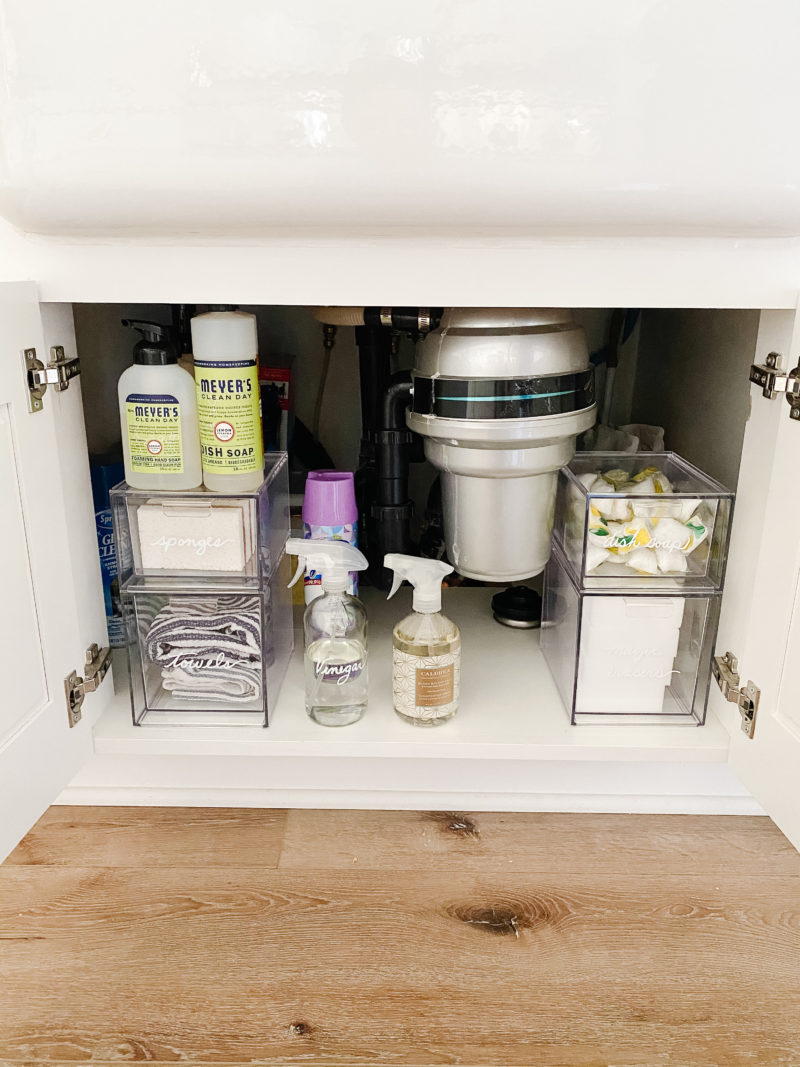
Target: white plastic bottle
(158,415)
(335,624)
(426,645)
(225,346)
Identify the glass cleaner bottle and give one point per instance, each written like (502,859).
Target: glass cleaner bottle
(426,645)
(335,624)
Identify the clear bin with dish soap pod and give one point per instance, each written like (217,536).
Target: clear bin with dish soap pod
(635,520)
(197,533)
(625,656)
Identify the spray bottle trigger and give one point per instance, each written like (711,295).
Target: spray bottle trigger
(301,566)
(397,581)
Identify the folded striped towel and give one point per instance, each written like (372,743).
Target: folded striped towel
(208,647)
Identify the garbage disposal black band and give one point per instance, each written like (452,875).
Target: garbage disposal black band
(503,398)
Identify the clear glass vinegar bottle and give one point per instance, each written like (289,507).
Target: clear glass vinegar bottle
(336,668)
(335,625)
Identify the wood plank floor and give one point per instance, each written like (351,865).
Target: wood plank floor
(339,938)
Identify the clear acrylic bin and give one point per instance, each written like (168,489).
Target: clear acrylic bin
(637,520)
(627,656)
(204,653)
(197,533)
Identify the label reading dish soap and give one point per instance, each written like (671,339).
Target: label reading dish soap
(228,413)
(154,433)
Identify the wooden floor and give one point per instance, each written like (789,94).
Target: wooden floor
(319,937)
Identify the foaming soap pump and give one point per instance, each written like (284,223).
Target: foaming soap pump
(426,645)
(335,626)
(158,414)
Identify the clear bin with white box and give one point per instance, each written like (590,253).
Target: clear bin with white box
(639,520)
(627,656)
(197,533)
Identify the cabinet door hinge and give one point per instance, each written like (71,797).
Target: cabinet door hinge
(746,697)
(98,660)
(58,373)
(773,379)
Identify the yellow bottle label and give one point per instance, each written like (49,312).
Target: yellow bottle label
(229,416)
(154,433)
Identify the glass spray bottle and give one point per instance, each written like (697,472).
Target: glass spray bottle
(335,625)
(426,645)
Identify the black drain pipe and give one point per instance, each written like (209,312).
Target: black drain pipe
(392,510)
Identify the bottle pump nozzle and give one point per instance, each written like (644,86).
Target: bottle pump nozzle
(333,559)
(156,348)
(424,574)
(151,331)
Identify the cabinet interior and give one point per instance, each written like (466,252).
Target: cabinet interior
(685,370)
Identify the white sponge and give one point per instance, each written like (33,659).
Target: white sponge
(194,535)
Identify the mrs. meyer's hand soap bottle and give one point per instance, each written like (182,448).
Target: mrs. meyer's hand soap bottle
(335,633)
(426,645)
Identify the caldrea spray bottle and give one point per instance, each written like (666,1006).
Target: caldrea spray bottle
(335,627)
(426,645)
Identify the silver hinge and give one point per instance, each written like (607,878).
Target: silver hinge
(98,660)
(58,373)
(746,697)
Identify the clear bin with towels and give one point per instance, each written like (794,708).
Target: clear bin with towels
(207,654)
(627,656)
(641,520)
(197,533)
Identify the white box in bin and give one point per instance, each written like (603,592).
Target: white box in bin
(628,649)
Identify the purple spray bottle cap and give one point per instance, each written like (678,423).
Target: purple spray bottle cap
(330,499)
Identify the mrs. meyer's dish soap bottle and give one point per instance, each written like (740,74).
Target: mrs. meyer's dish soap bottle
(335,633)
(426,645)
(225,346)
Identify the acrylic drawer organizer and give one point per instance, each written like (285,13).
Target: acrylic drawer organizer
(207,612)
(196,533)
(636,521)
(619,656)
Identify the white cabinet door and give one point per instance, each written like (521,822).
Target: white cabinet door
(49,570)
(760,620)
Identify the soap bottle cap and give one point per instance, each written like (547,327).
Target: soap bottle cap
(333,559)
(156,349)
(424,574)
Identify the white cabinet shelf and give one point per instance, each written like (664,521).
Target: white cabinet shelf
(510,709)
(509,748)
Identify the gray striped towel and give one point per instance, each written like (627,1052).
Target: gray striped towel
(208,648)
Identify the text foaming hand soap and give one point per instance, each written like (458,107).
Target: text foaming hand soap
(225,347)
(158,415)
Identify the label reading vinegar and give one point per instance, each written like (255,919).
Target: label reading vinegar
(228,413)
(154,433)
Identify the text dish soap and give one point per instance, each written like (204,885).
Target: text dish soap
(426,645)
(158,415)
(225,346)
(335,625)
